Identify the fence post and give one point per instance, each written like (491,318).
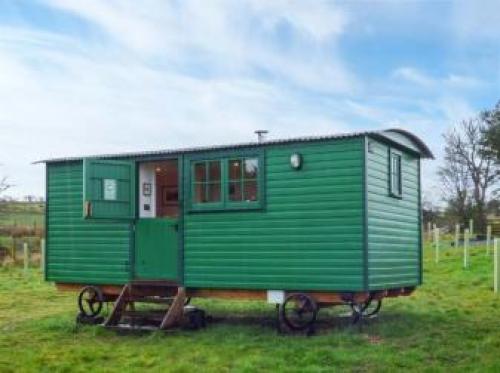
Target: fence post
(496,266)
(26,257)
(436,243)
(42,255)
(471,227)
(13,253)
(488,239)
(457,234)
(466,248)
(429,231)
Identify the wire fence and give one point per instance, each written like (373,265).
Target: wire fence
(463,242)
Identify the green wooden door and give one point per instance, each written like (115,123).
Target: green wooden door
(156,249)
(108,189)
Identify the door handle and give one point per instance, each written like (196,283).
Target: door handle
(87,209)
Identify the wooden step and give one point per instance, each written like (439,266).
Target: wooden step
(118,307)
(158,300)
(158,292)
(133,328)
(151,291)
(175,311)
(145,314)
(155,283)
(138,318)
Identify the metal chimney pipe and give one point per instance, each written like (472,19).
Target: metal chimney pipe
(261,135)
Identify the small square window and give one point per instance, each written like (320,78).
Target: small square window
(110,189)
(213,192)
(235,191)
(200,173)
(251,169)
(250,190)
(207,182)
(396,187)
(242,183)
(214,171)
(234,169)
(228,183)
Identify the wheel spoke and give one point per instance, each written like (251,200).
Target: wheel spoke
(298,311)
(90,301)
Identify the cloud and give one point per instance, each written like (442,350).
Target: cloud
(460,81)
(321,22)
(476,21)
(419,78)
(414,76)
(221,37)
(170,74)
(65,100)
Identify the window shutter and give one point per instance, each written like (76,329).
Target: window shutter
(108,189)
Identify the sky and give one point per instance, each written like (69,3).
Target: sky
(89,77)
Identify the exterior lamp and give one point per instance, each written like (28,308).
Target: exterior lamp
(296,161)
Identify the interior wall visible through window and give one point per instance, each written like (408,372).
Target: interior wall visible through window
(159,189)
(226,183)
(243,182)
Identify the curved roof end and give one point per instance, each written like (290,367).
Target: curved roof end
(422,147)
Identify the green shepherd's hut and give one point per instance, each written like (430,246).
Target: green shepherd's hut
(303,223)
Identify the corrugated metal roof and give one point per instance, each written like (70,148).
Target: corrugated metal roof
(424,150)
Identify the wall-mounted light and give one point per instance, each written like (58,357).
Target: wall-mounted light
(296,161)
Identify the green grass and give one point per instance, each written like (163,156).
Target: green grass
(450,323)
(16,216)
(21,214)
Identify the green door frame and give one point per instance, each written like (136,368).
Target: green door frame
(180,222)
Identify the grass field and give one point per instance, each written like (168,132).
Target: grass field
(22,219)
(450,323)
(22,214)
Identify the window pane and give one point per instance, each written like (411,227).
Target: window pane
(213,192)
(199,193)
(235,169)
(250,190)
(235,191)
(214,171)
(200,172)
(251,168)
(398,177)
(396,174)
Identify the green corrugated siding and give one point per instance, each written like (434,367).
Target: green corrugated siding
(309,235)
(393,224)
(78,250)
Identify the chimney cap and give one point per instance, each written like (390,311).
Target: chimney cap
(261,134)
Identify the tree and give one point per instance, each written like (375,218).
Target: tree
(430,212)
(491,119)
(467,151)
(455,181)
(4,184)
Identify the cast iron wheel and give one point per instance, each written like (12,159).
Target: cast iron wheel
(373,308)
(90,301)
(299,311)
(367,309)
